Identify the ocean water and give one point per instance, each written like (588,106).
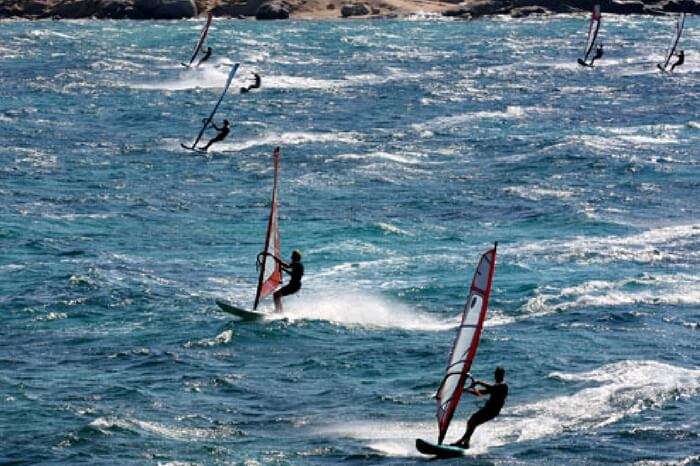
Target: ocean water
(408,148)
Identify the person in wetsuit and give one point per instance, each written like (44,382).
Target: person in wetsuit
(492,408)
(207,56)
(223,132)
(296,270)
(598,54)
(252,86)
(681,60)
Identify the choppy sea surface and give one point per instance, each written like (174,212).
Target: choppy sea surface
(408,148)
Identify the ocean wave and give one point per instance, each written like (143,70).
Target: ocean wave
(654,245)
(182,433)
(221,339)
(661,289)
(291,138)
(535,193)
(361,309)
(511,112)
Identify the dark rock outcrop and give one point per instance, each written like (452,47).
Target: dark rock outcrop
(167,9)
(282,9)
(527,11)
(273,10)
(237,9)
(354,9)
(520,8)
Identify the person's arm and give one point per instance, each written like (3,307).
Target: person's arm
(488,388)
(282,263)
(215,127)
(473,391)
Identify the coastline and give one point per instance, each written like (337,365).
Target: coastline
(328,9)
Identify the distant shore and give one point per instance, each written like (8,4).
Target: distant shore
(327,9)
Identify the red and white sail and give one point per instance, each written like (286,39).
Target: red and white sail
(466,343)
(270,271)
(593,29)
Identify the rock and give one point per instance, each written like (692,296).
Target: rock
(166,9)
(236,9)
(274,9)
(354,9)
(456,13)
(623,8)
(76,9)
(330,6)
(524,11)
(34,7)
(682,6)
(118,9)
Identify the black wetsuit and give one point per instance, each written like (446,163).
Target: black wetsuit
(681,60)
(223,132)
(296,271)
(206,57)
(598,55)
(492,408)
(252,86)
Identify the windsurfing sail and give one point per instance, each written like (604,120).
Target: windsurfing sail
(466,343)
(593,29)
(207,121)
(202,38)
(680,24)
(270,270)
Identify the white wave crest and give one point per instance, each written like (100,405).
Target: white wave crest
(654,245)
(361,309)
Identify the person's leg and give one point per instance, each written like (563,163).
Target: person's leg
(277,297)
(212,141)
(474,421)
(284,291)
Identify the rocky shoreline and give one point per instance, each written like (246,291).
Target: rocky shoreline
(327,9)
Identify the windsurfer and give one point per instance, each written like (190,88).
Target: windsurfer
(296,270)
(681,60)
(256,85)
(207,56)
(223,132)
(598,54)
(492,408)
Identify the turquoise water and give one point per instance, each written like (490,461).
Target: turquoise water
(408,148)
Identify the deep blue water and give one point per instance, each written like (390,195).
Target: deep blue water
(408,148)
